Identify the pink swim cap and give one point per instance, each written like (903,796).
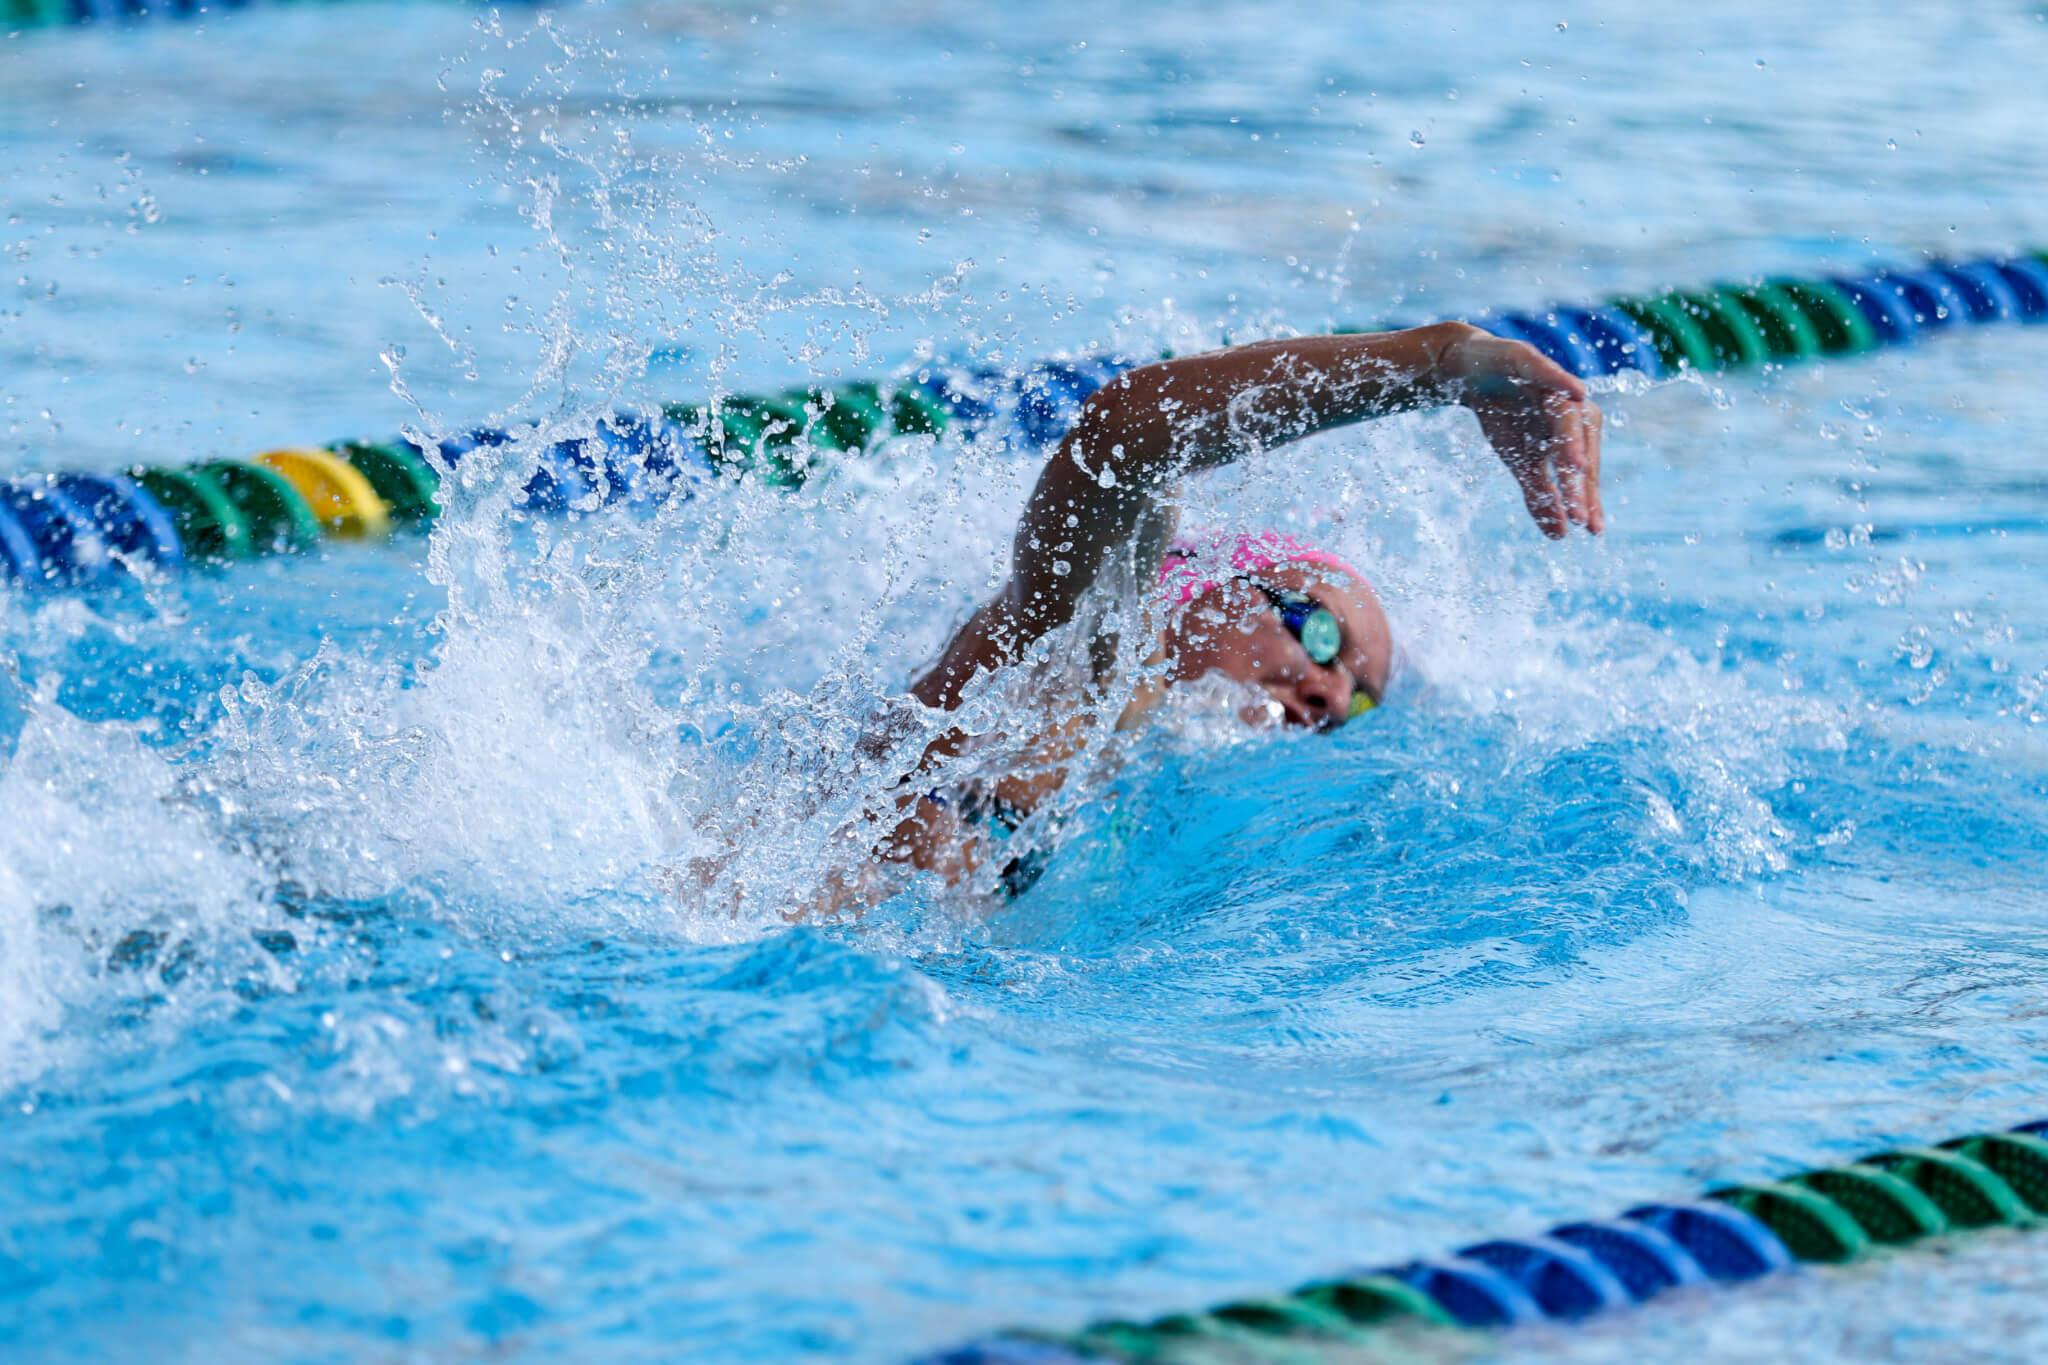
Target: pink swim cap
(1196,562)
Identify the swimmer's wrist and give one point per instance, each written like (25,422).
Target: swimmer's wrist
(1449,346)
(1416,367)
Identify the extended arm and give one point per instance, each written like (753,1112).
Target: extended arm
(1106,489)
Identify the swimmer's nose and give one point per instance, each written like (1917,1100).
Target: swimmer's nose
(1323,699)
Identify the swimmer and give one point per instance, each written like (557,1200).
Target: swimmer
(1261,609)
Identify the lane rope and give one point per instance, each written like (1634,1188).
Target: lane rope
(88,530)
(20,15)
(1830,1216)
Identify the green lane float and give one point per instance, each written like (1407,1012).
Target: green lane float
(404,481)
(1888,1209)
(1735,340)
(208,523)
(1811,1224)
(1969,1194)
(277,517)
(1839,327)
(1881,1204)
(38,13)
(293,497)
(2019,1160)
(1680,343)
(841,422)
(1780,321)
(1374,1299)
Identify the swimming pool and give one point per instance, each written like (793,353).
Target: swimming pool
(342,1011)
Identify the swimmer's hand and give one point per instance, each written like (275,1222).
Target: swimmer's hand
(1541,421)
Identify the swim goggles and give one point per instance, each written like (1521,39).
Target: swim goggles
(1318,630)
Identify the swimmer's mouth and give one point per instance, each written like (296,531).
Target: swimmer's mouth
(1271,712)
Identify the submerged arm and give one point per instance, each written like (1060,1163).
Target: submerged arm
(1106,488)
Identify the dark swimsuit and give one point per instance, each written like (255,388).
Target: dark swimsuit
(1001,820)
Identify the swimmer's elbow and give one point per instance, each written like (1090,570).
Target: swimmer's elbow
(1121,441)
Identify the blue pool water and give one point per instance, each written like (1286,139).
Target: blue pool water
(347,1006)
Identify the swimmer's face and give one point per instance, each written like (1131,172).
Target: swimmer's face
(1234,630)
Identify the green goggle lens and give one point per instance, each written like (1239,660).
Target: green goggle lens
(1320,635)
(1322,639)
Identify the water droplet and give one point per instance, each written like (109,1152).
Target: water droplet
(1415,139)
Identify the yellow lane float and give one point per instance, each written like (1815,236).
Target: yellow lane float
(341,498)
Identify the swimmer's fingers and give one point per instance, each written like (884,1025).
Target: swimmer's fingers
(1589,469)
(1535,440)
(1540,494)
(1577,460)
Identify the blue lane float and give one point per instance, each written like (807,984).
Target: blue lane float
(2028,281)
(1986,294)
(1885,310)
(1474,1293)
(68,546)
(18,557)
(631,458)
(1619,342)
(1566,1282)
(131,522)
(1646,1261)
(1727,1244)
(1935,302)
(1557,339)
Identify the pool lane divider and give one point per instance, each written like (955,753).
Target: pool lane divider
(86,530)
(1827,1216)
(27,14)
